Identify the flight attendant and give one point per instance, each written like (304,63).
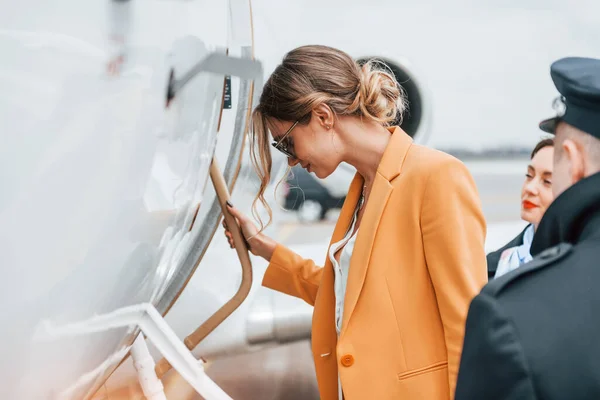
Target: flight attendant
(536,196)
(533,333)
(407,253)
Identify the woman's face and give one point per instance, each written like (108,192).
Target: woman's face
(536,194)
(312,145)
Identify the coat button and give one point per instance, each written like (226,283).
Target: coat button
(347,360)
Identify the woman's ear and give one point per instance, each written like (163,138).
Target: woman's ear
(323,114)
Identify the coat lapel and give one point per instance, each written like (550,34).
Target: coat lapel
(389,168)
(347,212)
(325,302)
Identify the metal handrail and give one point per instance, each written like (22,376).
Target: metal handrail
(241,247)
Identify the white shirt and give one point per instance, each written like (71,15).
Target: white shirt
(340,271)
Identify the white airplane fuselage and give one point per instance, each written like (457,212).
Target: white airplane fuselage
(101,182)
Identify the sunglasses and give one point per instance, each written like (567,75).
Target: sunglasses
(284,145)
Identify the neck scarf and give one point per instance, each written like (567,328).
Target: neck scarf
(514,257)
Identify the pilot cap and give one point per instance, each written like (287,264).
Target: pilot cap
(578,82)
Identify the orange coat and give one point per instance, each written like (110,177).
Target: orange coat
(418,261)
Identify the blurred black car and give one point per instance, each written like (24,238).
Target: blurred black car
(307,195)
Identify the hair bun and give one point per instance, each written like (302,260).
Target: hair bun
(379,96)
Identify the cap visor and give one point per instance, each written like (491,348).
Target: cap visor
(549,125)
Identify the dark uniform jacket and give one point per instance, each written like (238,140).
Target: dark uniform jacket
(534,333)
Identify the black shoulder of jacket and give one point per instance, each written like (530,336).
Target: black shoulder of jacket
(546,258)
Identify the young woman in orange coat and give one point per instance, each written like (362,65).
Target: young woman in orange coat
(407,254)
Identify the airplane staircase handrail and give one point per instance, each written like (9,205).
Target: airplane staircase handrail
(241,247)
(246,68)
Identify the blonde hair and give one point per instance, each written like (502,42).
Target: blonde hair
(313,75)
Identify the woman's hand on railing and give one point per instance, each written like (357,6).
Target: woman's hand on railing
(258,243)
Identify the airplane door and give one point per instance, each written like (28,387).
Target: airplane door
(101,181)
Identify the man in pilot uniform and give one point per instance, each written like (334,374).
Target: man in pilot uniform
(535,333)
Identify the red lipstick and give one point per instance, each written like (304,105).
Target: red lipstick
(529,205)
